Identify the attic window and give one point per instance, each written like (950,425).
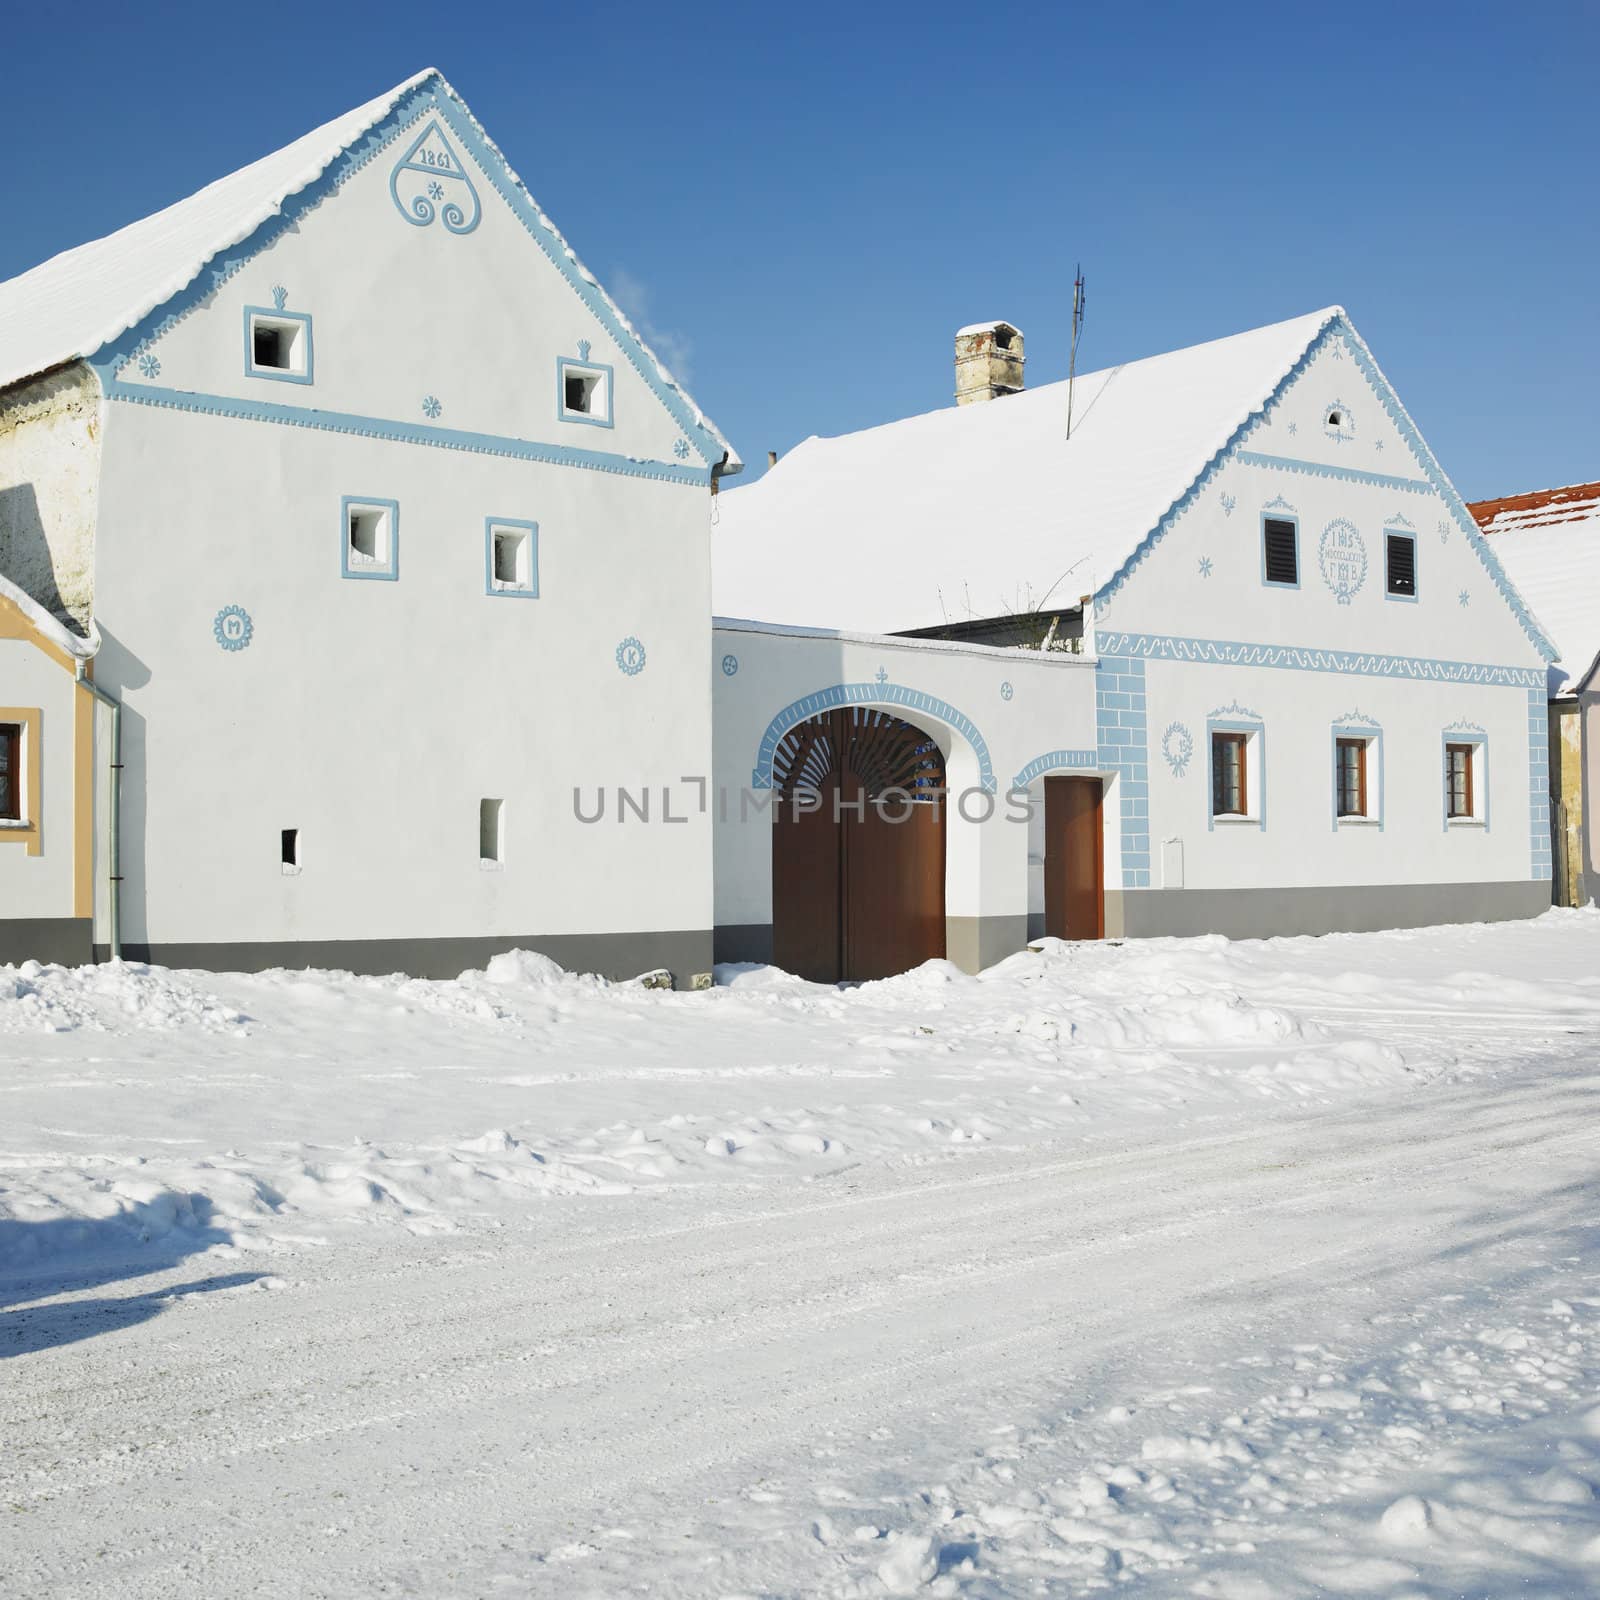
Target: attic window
(512,558)
(1336,419)
(277,344)
(1400,566)
(370,530)
(583,392)
(1280,552)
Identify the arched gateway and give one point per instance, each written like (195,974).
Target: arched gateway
(857,846)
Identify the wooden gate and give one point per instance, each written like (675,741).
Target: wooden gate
(1074,859)
(857,847)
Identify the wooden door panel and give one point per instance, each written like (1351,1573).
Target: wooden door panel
(805,890)
(894,889)
(1074,886)
(855,893)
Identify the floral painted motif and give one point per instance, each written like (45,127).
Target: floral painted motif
(1006,691)
(1228,503)
(233,628)
(1464,598)
(150,366)
(630,657)
(730,666)
(280,297)
(1205,566)
(680,448)
(431,406)
(1177,748)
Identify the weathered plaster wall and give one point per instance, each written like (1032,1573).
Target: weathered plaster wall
(49,486)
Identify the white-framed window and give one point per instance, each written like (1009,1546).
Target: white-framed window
(583,392)
(1357,775)
(1465,777)
(369,531)
(1236,755)
(511,557)
(277,344)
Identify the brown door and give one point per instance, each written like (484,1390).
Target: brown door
(1074,872)
(857,847)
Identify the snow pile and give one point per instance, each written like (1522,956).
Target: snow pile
(285,1099)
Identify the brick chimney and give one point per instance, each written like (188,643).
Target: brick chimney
(988,362)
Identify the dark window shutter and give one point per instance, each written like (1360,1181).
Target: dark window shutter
(1279,538)
(1402,564)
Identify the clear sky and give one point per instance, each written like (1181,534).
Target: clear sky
(802,203)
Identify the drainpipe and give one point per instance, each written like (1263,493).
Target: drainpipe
(114,808)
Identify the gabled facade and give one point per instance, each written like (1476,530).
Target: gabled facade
(1319,703)
(391,533)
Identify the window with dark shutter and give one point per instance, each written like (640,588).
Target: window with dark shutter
(1280,558)
(1402,564)
(1228,793)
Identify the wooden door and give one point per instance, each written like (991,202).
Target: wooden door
(1074,859)
(857,847)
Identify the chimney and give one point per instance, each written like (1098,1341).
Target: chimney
(988,362)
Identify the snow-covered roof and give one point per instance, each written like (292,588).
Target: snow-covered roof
(50,627)
(68,307)
(1549,543)
(899,526)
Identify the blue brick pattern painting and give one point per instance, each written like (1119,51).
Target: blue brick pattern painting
(1539,783)
(1124,748)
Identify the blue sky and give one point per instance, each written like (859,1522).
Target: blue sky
(802,204)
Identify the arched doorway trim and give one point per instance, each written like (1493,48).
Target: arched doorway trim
(1057,760)
(874,694)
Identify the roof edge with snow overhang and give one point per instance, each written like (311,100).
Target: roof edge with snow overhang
(51,631)
(295,179)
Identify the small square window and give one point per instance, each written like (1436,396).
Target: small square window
(511,558)
(370,530)
(277,344)
(583,392)
(1400,565)
(491,832)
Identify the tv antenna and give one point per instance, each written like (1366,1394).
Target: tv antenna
(1078,301)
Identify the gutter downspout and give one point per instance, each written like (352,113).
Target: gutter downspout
(114,809)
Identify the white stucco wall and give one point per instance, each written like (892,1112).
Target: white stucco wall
(373,715)
(1204,582)
(928,683)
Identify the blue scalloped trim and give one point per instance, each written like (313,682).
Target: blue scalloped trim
(878,694)
(486,444)
(1057,761)
(1308,658)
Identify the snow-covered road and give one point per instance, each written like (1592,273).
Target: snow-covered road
(1247,1349)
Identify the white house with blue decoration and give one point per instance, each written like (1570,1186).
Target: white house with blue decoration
(1229,655)
(346,529)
